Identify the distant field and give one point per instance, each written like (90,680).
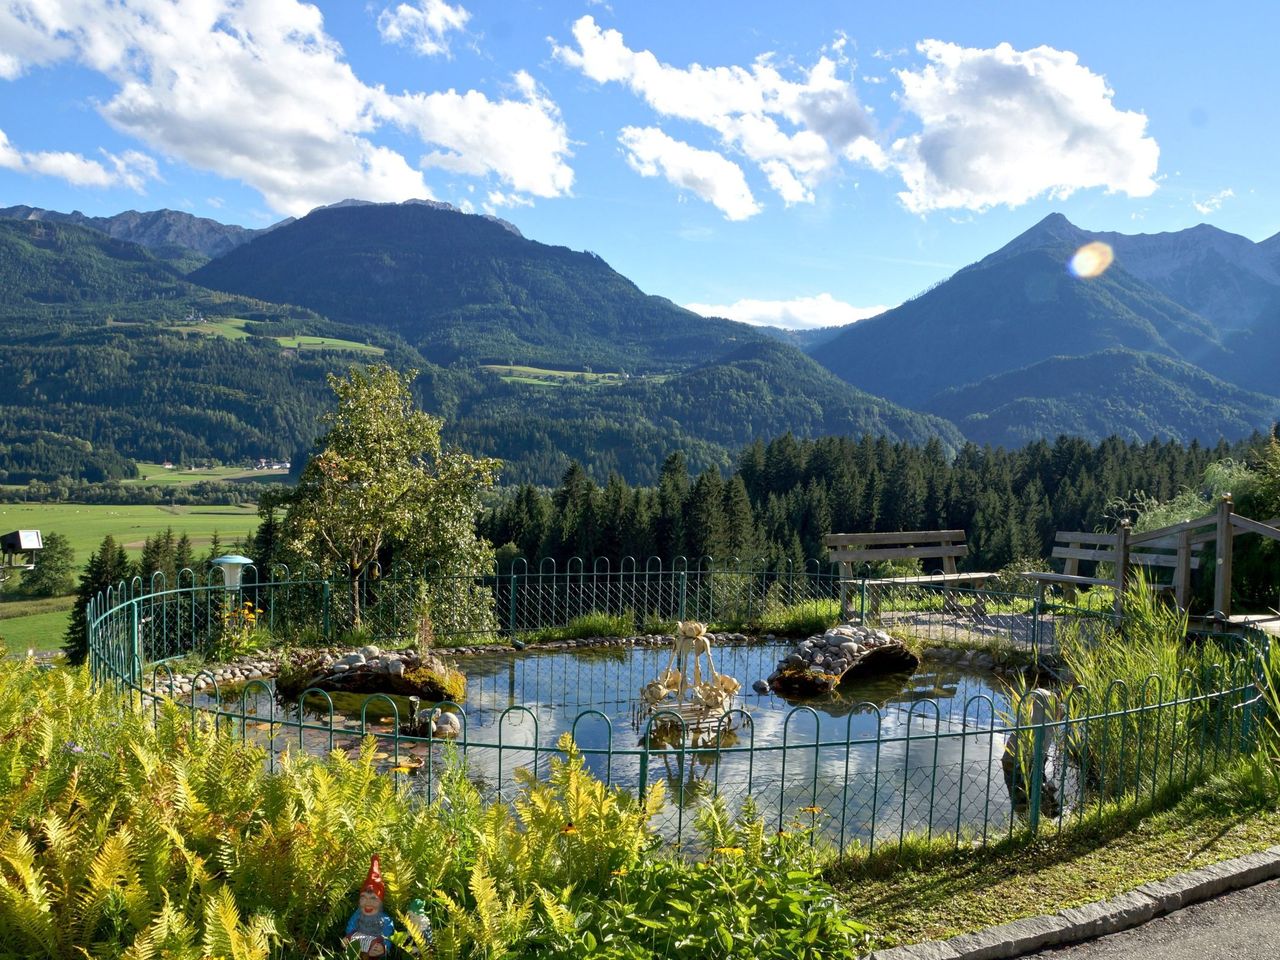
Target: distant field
(155,475)
(41,631)
(86,524)
(537,375)
(328,343)
(40,624)
(232,328)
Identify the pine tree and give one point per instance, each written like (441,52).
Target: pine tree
(54,573)
(668,521)
(739,521)
(705,529)
(107,567)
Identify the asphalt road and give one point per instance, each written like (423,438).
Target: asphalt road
(1244,925)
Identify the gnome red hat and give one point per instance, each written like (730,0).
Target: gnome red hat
(374,880)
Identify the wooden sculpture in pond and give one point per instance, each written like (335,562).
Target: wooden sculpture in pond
(683,688)
(370,928)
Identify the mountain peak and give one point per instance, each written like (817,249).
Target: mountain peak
(416,202)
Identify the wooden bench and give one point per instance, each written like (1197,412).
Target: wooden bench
(1124,551)
(851,550)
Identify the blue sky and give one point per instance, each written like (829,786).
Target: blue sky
(798,163)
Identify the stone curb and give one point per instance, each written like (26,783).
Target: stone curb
(1097,919)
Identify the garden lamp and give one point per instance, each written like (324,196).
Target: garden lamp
(232,566)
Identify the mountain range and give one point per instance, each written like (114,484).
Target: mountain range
(1178,338)
(166,336)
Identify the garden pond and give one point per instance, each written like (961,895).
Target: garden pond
(879,757)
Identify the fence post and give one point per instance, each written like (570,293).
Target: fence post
(862,601)
(511,605)
(325,608)
(1038,717)
(1222,574)
(135,640)
(684,586)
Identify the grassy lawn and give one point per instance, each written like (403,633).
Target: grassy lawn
(86,524)
(39,631)
(935,894)
(155,475)
(328,343)
(233,328)
(515,373)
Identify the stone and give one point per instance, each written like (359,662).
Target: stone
(1010,939)
(760,686)
(1107,916)
(340,667)
(370,652)
(928,950)
(395,668)
(351,660)
(447,725)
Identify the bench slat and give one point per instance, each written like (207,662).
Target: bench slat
(1101,539)
(871,554)
(978,578)
(1160,560)
(909,536)
(1064,578)
(1079,553)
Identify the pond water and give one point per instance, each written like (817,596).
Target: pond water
(903,752)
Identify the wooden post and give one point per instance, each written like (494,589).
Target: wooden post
(1222,572)
(1182,572)
(1071,567)
(1122,565)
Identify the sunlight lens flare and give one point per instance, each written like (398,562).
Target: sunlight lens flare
(1091,260)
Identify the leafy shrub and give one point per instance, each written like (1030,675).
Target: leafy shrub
(128,833)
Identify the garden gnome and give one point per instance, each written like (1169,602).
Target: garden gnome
(369,927)
(416,918)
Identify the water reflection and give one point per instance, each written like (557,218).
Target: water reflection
(878,757)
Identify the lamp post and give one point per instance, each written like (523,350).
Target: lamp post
(232,566)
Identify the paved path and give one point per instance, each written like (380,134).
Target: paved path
(1244,925)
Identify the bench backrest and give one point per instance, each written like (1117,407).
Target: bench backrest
(1071,547)
(848,549)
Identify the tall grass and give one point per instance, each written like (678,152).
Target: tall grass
(1143,712)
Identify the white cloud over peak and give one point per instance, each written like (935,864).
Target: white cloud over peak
(423,26)
(260,93)
(802,313)
(795,131)
(709,175)
(1213,203)
(130,169)
(1001,126)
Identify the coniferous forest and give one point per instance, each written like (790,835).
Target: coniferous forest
(783,496)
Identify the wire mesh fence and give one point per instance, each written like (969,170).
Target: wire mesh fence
(974,762)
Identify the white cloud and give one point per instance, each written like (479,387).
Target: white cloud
(1001,126)
(795,131)
(802,313)
(260,93)
(130,169)
(523,142)
(424,26)
(714,178)
(1214,203)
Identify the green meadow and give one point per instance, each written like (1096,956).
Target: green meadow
(39,625)
(86,524)
(233,328)
(156,475)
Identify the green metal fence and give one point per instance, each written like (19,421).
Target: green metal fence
(974,768)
